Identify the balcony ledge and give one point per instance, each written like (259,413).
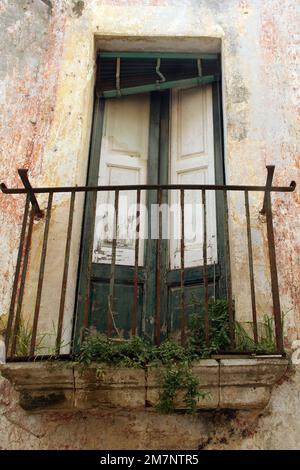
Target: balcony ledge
(231,383)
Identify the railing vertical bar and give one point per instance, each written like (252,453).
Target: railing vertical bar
(136,262)
(251,271)
(228,273)
(214,279)
(41,276)
(110,310)
(92,201)
(158,274)
(65,274)
(22,283)
(182,294)
(274,275)
(206,315)
(17,274)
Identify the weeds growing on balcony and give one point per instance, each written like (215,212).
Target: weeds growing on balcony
(3,323)
(218,328)
(23,340)
(219,331)
(24,335)
(173,361)
(245,341)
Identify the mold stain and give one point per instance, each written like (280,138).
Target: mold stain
(78,7)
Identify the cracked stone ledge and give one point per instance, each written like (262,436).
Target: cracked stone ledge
(231,384)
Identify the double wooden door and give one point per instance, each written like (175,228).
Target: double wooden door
(171,137)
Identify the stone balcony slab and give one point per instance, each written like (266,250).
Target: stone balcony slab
(233,383)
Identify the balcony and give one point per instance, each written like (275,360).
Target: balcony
(61,285)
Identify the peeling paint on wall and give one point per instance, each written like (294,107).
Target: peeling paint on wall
(46,93)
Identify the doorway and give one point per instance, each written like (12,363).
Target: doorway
(156,138)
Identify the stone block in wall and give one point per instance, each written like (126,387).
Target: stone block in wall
(244,397)
(256,371)
(247,383)
(42,385)
(109,387)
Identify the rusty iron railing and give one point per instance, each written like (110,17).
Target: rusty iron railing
(32,211)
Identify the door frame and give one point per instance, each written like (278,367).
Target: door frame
(158,145)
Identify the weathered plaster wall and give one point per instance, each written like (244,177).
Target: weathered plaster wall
(47,72)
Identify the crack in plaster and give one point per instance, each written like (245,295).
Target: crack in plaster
(24,428)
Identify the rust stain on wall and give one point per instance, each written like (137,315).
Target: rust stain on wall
(32,43)
(278,41)
(30,96)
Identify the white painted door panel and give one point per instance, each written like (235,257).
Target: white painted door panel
(192,162)
(123,161)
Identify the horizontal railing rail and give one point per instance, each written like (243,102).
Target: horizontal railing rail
(135,187)
(33,211)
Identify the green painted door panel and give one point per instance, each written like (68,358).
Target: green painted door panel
(194,295)
(123,301)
